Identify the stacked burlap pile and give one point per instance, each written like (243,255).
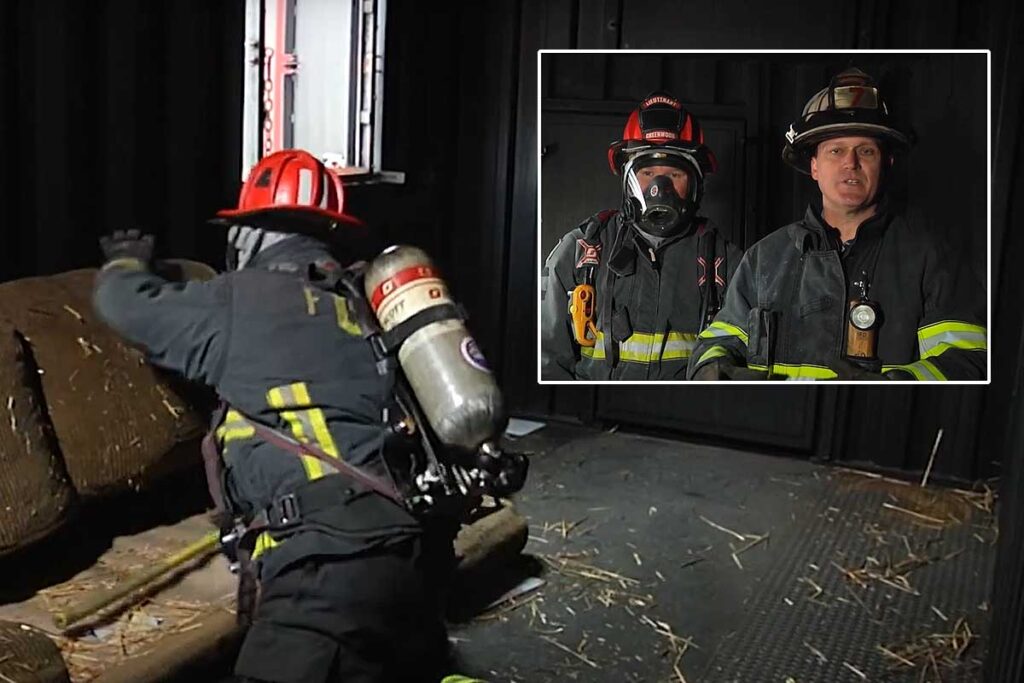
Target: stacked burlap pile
(86,416)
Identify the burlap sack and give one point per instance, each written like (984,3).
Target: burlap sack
(28,656)
(117,420)
(35,494)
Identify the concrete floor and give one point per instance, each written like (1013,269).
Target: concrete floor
(658,556)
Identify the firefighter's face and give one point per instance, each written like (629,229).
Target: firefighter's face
(848,171)
(680,178)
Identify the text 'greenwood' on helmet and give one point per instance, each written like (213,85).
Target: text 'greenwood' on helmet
(661,120)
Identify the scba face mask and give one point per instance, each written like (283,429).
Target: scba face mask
(650,192)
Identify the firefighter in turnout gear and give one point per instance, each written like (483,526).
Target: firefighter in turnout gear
(625,294)
(347,575)
(854,290)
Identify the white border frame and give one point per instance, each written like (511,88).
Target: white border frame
(988,221)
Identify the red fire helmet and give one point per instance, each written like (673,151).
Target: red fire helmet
(662,121)
(290,189)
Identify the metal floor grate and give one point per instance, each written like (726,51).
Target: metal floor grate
(809,621)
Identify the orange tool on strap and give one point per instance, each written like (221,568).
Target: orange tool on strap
(581,308)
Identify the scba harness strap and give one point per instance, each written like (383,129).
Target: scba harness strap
(385,345)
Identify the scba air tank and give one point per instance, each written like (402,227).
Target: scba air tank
(450,377)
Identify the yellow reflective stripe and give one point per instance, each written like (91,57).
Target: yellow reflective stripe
(264,542)
(645,347)
(937,338)
(949,326)
(942,347)
(712,353)
(721,329)
(808,372)
(226,434)
(279,397)
(932,368)
(234,427)
(676,345)
(311,300)
(922,370)
(275,398)
(345,322)
(317,419)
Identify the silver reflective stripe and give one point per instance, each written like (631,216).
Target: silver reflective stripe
(679,345)
(325,182)
(643,347)
(957,339)
(305,186)
(723,329)
(639,347)
(924,371)
(288,399)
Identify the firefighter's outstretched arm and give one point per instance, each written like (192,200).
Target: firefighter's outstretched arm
(558,351)
(180,326)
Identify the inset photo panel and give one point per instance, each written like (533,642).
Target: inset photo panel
(751,217)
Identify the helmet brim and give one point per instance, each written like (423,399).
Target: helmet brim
(798,153)
(288,218)
(336,229)
(620,152)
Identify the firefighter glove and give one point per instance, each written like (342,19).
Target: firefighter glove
(723,369)
(845,370)
(127,244)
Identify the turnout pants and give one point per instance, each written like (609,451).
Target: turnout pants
(367,618)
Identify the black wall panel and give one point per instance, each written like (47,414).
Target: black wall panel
(768,421)
(118,114)
(710,25)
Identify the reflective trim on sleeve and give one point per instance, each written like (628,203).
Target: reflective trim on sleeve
(721,329)
(936,339)
(712,353)
(922,370)
(642,347)
(798,372)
